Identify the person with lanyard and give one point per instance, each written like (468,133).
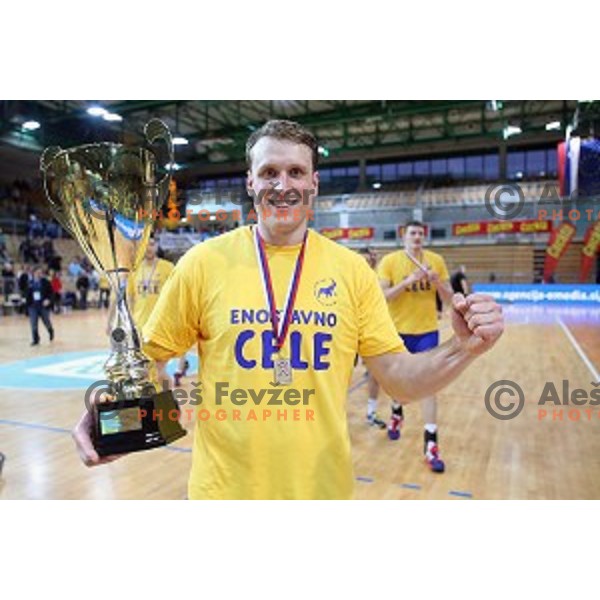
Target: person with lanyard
(410,279)
(38,296)
(277,308)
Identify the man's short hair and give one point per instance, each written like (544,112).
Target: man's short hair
(414,224)
(290,131)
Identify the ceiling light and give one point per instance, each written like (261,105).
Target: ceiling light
(511,130)
(173,166)
(180,141)
(112,117)
(376,185)
(96,111)
(30,126)
(553,126)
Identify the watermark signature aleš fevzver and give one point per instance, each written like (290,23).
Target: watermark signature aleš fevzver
(275,403)
(505,400)
(506,201)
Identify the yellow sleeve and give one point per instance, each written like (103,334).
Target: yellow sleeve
(131,288)
(174,323)
(377,333)
(442,269)
(384,269)
(167,268)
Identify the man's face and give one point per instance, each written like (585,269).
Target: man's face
(414,237)
(282,183)
(151,250)
(371,257)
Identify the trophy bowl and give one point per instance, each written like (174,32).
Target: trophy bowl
(108,196)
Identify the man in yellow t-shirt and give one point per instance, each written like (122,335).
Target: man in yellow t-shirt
(278,313)
(146,284)
(410,279)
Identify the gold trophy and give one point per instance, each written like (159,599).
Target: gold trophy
(107,195)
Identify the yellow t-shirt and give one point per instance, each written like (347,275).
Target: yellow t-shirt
(145,287)
(103,283)
(413,310)
(215,298)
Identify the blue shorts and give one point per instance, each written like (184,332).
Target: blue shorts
(420,342)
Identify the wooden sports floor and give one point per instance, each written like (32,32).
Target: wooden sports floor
(531,456)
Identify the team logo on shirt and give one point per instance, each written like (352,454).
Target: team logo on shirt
(326,291)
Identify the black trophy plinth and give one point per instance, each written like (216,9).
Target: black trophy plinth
(134,425)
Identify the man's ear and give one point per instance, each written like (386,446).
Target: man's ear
(250,186)
(315,182)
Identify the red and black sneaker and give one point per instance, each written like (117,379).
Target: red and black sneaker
(396,422)
(432,453)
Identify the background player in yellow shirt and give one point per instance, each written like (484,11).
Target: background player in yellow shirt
(143,291)
(224,295)
(411,295)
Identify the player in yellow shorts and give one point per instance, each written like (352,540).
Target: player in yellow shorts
(410,279)
(278,313)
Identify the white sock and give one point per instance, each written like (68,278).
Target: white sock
(430,427)
(371,406)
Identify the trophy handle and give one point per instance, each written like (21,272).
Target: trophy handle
(155,131)
(46,160)
(48,155)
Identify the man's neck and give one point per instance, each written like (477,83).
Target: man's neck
(150,261)
(291,238)
(414,252)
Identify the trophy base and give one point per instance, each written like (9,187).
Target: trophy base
(134,425)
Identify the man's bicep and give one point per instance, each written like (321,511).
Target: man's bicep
(388,368)
(442,270)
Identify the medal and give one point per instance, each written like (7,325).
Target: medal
(146,282)
(283,366)
(283,371)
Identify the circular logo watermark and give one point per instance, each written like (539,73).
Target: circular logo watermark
(95,391)
(500,408)
(504,201)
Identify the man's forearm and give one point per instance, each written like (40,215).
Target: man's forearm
(411,377)
(445,291)
(391,292)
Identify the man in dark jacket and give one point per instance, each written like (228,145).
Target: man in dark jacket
(459,282)
(37,299)
(83,285)
(23,280)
